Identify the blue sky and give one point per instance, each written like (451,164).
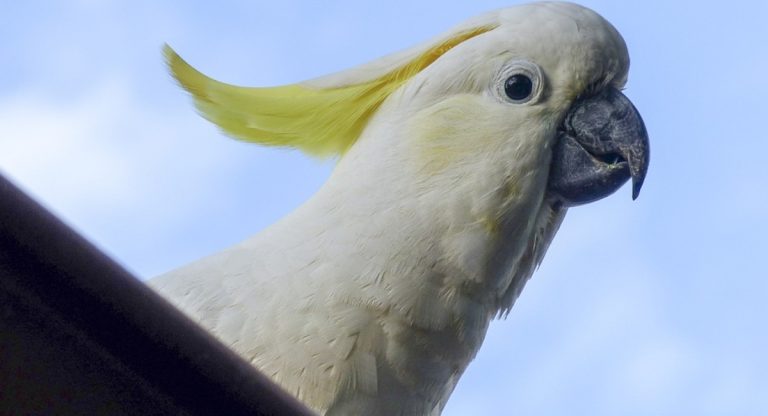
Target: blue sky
(655,306)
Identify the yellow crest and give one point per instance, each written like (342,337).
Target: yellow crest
(321,121)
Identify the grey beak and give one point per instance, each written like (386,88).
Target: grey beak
(602,144)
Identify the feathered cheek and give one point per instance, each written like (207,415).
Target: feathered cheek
(528,137)
(457,131)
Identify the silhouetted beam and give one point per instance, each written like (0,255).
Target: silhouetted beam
(80,335)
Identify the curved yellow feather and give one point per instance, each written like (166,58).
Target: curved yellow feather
(318,121)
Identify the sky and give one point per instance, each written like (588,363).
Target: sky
(651,307)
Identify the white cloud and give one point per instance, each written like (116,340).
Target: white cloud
(67,152)
(111,165)
(593,339)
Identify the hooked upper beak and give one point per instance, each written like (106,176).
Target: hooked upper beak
(601,144)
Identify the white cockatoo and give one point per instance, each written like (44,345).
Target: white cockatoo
(457,160)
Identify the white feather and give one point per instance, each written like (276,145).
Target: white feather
(374,296)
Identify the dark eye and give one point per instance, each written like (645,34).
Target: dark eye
(518,87)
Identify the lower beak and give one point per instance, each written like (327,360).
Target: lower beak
(601,144)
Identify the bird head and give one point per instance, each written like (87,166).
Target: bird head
(520,104)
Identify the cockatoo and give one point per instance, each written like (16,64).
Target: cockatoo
(456,162)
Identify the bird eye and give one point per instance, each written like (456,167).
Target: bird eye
(518,87)
(518,82)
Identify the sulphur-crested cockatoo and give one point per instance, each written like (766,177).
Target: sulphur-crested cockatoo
(457,160)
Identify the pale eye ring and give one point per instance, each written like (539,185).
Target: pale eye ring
(519,82)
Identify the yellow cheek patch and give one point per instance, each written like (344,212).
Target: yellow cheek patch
(491,225)
(318,121)
(460,126)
